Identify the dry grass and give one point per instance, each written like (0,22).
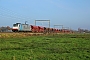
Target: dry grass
(13,35)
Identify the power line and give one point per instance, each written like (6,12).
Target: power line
(4,12)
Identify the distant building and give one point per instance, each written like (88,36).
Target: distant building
(5,29)
(83,30)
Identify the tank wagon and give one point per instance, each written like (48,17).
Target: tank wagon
(18,27)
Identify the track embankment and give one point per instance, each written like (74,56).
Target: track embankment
(21,34)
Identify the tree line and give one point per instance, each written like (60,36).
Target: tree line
(5,29)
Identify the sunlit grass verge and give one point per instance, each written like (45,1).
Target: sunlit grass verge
(18,35)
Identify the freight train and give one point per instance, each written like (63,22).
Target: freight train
(18,27)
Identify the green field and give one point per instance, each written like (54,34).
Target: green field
(47,47)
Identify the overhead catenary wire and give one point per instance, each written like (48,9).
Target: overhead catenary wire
(4,12)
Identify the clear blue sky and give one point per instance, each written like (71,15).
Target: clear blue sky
(69,13)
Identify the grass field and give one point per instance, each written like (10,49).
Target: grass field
(46,47)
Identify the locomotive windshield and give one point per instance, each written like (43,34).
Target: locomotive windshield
(15,25)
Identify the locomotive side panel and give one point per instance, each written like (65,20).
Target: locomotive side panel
(26,27)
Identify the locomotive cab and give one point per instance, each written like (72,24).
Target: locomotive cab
(16,27)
